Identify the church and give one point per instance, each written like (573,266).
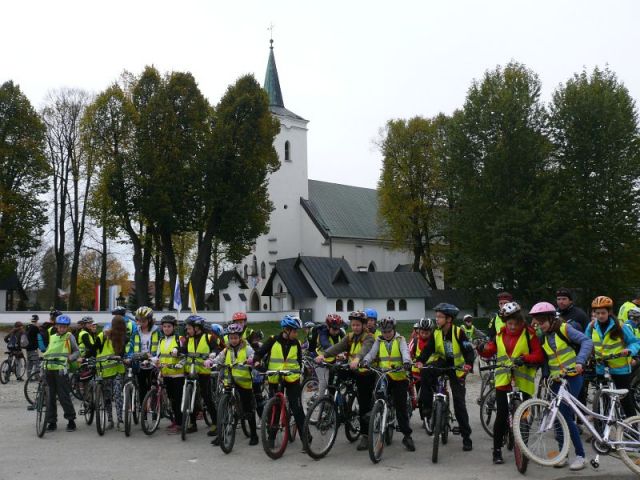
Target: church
(325,250)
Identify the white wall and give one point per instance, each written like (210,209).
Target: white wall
(3,300)
(229,307)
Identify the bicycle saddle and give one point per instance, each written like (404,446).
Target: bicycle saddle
(614,391)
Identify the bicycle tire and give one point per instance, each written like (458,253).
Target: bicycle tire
(127,394)
(136,405)
(244,424)
(272,423)
(521,460)
(5,372)
(377,432)
(437,429)
(632,463)
(186,411)
(523,416)
(446,415)
(352,418)
(101,411)
(31,387)
(391,427)
(41,411)
(20,367)
(227,420)
(74,380)
(309,393)
(326,415)
(87,404)
(151,412)
(599,404)
(488,412)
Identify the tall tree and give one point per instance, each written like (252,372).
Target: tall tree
(89,275)
(594,127)
(412,189)
(23,176)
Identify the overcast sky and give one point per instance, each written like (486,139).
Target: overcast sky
(346,66)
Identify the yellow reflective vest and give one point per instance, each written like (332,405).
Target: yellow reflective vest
(107,368)
(391,358)
(277,361)
(524,376)
(165,347)
(58,351)
(239,369)
(563,357)
(440,354)
(202,348)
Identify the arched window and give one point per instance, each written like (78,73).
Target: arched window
(339,306)
(350,305)
(391,305)
(263,270)
(287,151)
(372,266)
(255,302)
(246,272)
(402,305)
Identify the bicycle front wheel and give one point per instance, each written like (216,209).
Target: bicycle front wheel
(438,421)
(101,410)
(186,411)
(128,408)
(227,419)
(20,366)
(321,427)
(88,405)
(522,461)
(5,372)
(352,418)
(41,411)
(309,393)
(536,436)
(151,411)
(630,432)
(488,412)
(275,427)
(377,431)
(31,387)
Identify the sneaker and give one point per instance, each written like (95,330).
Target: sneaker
(52,427)
(407,441)
(71,427)
(364,443)
(497,457)
(577,464)
(31,407)
(120,426)
(215,442)
(562,464)
(467,445)
(173,429)
(213,431)
(253,440)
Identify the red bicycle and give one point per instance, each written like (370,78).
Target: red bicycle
(278,427)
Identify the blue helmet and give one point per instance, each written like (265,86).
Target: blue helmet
(196,321)
(371,313)
(63,320)
(448,309)
(217,329)
(291,321)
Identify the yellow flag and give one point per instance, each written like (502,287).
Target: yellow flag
(192,300)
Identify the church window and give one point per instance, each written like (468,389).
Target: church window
(391,305)
(402,305)
(255,302)
(339,306)
(372,266)
(263,270)
(246,272)
(287,151)
(350,305)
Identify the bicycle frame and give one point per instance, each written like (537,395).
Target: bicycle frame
(192,379)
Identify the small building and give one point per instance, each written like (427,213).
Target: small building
(231,289)
(317,286)
(11,292)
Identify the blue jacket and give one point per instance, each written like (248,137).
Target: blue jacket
(631,342)
(634,328)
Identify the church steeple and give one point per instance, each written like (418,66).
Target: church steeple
(272,82)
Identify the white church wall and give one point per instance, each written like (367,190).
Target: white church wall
(229,307)
(3,300)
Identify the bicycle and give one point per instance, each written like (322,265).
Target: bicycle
(515,397)
(309,383)
(15,364)
(600,403)
(42,395)
(383,422)
(545,428)
(230,410)
(131,393)
(190,393)
(88,397)
(155,404)
(277,421)
(327,412)
(99,401)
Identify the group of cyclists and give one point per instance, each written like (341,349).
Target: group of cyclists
(558,340)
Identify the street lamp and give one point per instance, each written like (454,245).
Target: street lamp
(120,300)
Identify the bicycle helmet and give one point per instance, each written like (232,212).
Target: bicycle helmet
(387,324)
(235,328)
(119,311)
(448,309)
(467,317)
(426,324)
(217,329)
(86,319)
(542,308)
(371,313)
(63,320)
(239,316)
(334,320)
(144,312)
(634,313)
(55,313)
(509,309)
(195,321)
(290,321)
(602,302)
(169,319)
(416,325)
(358,315)
(309,324)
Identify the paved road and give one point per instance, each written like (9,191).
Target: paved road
(84,455)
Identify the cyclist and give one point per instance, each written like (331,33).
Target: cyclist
(144,342)
(129,321)
(514,343)
(391,351)
(571,313)
(469,328)
(327,335)
(448,347)
(496,323)
(241,319)
(61,349)
(216,336)
(426,326)
(86,336)
(33,359)
(16,339)
(610,336)
(623,313)
(357,344)
(48,328)
(560,342)
(239,354)
(285,353)
(112,341)
(372,322)
(197,342)
(173,378)
(308,328)
(634,321)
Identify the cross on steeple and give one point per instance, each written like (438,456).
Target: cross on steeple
(271,26)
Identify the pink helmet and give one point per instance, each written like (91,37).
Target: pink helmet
(542,308)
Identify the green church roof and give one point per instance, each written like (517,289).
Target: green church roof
(272,86)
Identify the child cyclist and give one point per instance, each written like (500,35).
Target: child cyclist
(391,351)
(239,355)
(426,326)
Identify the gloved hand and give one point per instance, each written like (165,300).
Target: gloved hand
(518,362)
(467,368)
(174,352)
(208,363)
(249,361)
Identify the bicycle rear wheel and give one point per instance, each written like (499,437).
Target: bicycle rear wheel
(275,427)
(136,405)
(321,426)
(5,372)
(438,410)
(101,410)
(630,432)
(377,432)
(151,411)
(20,366)
(227,420)
(127,394)
(74,380)
(488,412)
(522,461)
(309,393)
(31,387)
(536,437)
(351,418)
(41,411)
(600,404)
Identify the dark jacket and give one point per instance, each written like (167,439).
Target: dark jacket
(467,351)
(322,339)
(265,350)
(575,317)
(32,336)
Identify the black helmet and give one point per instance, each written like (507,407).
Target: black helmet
(119,311)
(448,309)
(169,319)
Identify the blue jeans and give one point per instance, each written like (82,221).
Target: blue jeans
(574,386)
